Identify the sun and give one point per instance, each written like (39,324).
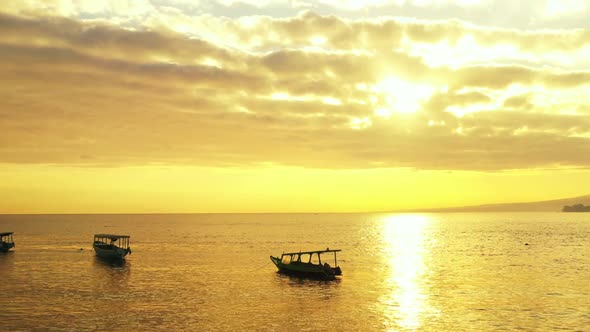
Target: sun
(401,96)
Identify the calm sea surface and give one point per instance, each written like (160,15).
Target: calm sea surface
(401,272)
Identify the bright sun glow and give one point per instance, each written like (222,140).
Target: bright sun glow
(318,40)
(402,96)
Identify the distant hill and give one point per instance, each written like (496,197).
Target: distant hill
(541,206)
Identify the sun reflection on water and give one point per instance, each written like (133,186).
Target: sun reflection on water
(404,237)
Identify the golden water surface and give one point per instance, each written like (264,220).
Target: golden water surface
(401,272)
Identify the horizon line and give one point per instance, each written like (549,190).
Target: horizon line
(421,210)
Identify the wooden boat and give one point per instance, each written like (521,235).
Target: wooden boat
(111,246)
(6,241)
(308,264)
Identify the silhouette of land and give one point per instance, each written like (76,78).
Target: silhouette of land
(576,208)
(555,205)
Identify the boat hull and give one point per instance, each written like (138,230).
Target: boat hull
(111,253)
(305,270)
(5,246)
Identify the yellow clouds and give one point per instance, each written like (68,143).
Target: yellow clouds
(173,86)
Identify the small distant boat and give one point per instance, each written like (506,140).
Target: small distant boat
(308,264)
(111,246)
(6,241)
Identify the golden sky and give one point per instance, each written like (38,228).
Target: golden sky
(291,106)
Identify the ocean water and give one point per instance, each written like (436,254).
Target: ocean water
(401,272)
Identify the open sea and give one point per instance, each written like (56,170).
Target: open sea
(212,272)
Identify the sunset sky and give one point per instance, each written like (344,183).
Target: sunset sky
(291,106)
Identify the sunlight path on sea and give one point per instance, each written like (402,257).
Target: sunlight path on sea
(405,252)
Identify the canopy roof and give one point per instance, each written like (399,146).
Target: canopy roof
(312,252)
(113,237)
(5,233)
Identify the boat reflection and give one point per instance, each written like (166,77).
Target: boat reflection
(113,292)
(6,265)
(406,302)
(112,268)
(109,262)
(113,273)
(293,280)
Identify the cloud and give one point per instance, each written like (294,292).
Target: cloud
(309,90)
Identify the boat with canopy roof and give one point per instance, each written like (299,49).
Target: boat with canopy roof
(308,264)
(111,245)
(6,241)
